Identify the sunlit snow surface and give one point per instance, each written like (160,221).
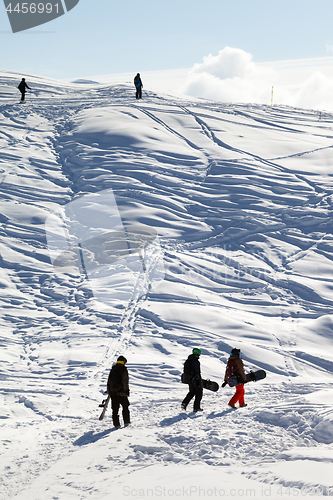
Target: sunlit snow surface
(234,206)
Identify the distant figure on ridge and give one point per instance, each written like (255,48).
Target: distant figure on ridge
(138,85)
(118,390)
(235,368)
(22,86)
(192,369)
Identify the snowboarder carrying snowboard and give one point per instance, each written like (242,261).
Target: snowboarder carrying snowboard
(192,369)
(118,390)
(22,86)
(235,368)
(138,85)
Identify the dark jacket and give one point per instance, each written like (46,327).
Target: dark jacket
(239,369)
(195,369)
(123,375)
(138,81)
(22,86)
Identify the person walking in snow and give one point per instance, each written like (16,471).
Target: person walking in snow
(193,370)
(235,368)
(22,88)
(118,390)
(138,85)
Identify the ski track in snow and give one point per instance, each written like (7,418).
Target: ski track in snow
(241,197)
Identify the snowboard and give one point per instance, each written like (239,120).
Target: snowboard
(104,404)
(254,376)
(205,383)
(251,377)
(210,385)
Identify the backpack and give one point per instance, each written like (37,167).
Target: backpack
(187,366)
(114,381)
(231,368)
(186,375)
(233,377)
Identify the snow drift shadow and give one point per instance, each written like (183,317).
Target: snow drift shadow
(91,437)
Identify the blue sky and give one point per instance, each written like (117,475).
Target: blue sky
(103,36)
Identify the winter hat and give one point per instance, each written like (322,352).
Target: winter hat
(235,352)
(196,351)
(121,360)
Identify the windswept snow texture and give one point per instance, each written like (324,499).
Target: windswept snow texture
(239,200)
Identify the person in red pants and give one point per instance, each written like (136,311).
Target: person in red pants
(235,368)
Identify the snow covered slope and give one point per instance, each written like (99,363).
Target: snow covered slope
(234,203)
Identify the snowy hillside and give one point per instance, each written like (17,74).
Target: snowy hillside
(229,211)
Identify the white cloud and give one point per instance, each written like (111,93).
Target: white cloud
(233,76)
(316,92)
(230,76)
(229,63)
